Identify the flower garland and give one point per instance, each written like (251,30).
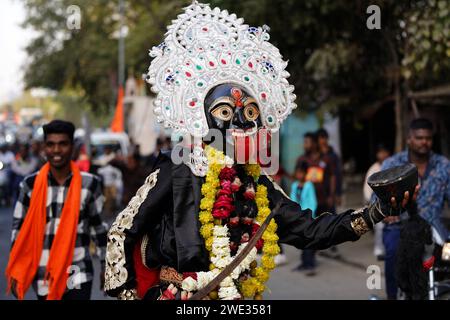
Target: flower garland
(254,286)
(217,242)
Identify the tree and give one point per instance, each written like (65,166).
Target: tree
(334,59)
(87,58)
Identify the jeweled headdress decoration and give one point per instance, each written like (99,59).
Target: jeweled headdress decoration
(205,47)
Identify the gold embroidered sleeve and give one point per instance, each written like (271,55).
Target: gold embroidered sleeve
(116,273)
(128,295)
(359,225)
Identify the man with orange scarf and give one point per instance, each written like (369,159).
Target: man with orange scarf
(55,218)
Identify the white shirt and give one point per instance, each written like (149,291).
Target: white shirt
(367,189)
(111,176)
(7,157)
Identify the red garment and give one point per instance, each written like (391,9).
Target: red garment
(145,277)
(83,165)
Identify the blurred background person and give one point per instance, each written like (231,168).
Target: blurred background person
(434,181)
(320,173)
(37,151)
(6,160)
(81,158)
(335,194)
(382,154)
(112,189)
(303,193)
(281,258)
(163,145)
(133,175)
(23,165)
(334,198)
(106,157)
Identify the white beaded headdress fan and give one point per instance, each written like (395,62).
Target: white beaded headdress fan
(205,47)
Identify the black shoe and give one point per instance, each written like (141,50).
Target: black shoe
(381,257)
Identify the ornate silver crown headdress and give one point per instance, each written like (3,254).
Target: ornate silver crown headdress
(205,47)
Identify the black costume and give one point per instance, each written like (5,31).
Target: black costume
(168,216)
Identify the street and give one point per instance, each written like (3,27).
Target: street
(335,279)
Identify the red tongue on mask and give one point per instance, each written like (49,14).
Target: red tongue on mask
(246,148)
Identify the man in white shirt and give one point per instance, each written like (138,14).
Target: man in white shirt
(112,187)
(382,154)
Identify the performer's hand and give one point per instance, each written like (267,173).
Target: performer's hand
(169,293)
(406,202)
(185,295)
(391,219)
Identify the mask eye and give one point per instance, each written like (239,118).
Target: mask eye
(223,112)
(251,112)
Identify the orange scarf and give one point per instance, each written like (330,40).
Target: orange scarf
(26,252)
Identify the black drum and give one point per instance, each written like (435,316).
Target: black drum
(394,182)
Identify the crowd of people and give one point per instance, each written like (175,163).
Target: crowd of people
(120,175)
(108,183)
(318,186)
(420,229)
(17,162)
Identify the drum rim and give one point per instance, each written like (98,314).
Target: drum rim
(411,169)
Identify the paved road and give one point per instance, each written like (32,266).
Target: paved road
(344,279)
(335,279)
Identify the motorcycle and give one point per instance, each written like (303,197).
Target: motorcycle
(439,276)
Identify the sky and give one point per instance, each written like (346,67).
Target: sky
(13,40)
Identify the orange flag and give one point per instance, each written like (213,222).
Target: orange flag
(117,124)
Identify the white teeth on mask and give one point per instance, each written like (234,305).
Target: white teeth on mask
(242,133)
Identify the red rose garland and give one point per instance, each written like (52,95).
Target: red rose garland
(223,205)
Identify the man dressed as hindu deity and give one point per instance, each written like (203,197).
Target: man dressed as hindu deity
(222,87)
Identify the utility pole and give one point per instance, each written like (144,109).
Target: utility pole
(121,57)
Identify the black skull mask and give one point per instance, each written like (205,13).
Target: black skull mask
(229,107)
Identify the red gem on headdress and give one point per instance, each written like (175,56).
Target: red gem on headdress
(250,65)
(205,29)
(188,74)
(192,103)
(211,64)
(236,93)
(223,61)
